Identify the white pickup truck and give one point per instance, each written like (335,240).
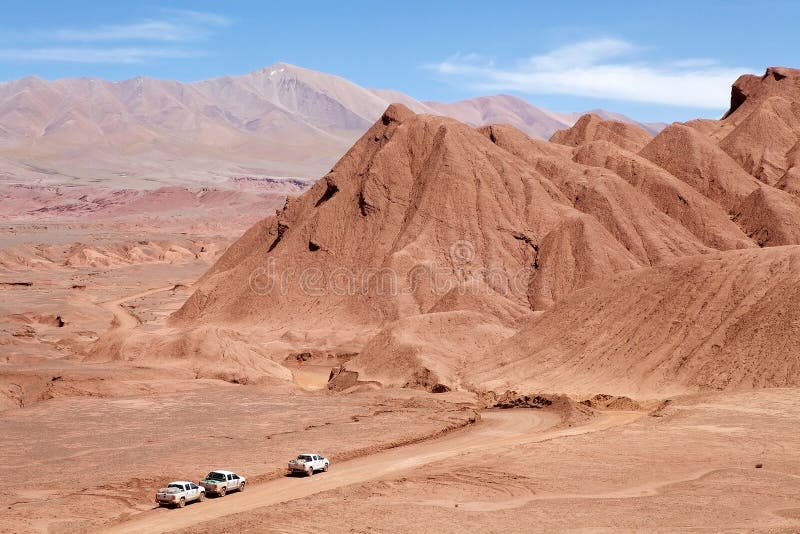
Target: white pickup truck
(179,493)
(220,482)
(308,463)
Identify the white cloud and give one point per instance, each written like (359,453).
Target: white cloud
(601,68)
(203,17)
(150,30)
(175,25)
(92,55)
(134,42)
(581,54)
(694,62)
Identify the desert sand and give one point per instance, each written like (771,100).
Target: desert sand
(483,331)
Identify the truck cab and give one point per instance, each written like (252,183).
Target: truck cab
(220,482)
(179,493)
(308,463)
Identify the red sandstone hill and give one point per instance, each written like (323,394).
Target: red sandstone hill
(436,204)
(722,321)
(762,128)
(622,263)
(592,128)
(415,186)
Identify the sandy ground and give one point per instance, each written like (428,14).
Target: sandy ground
(93,440)
(496,431)
(90,442)
(90,460)
(689,467)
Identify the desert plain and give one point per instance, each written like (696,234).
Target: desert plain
(482,330)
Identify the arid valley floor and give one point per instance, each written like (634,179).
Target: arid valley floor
(93,440)
(644,376)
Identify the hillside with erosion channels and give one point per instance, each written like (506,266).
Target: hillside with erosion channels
(483,258)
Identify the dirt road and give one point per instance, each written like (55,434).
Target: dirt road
(498,429)
(126,319)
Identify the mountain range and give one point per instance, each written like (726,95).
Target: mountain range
(279,121)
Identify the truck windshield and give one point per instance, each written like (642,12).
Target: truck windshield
(215,476)
(304,457)
(177,486)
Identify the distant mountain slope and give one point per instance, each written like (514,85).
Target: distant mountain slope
(281,120)
(396,97)
(651,127)
(505,109)
(533,121)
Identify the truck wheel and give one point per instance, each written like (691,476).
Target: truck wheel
(202,496)
(182,502)
(325,468)
(241,488)
(310,471)
(223,491)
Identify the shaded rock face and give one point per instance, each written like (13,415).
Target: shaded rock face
(748,85)
(341,380)
(510,399)
(568,410)
(743,87)
(761,130)
(611,402)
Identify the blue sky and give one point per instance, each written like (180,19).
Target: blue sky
(650,60)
